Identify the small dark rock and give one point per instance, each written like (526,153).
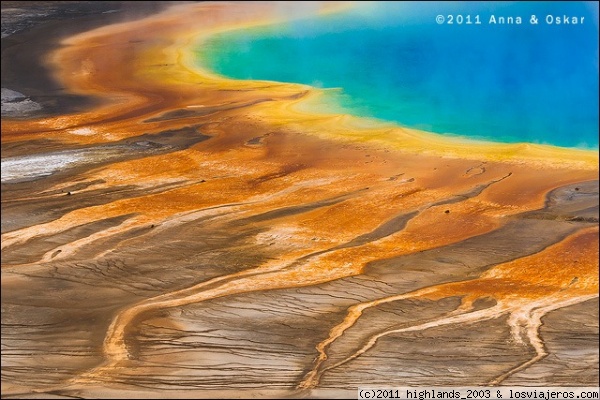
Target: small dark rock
(447,211)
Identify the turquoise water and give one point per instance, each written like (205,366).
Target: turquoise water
(394,62)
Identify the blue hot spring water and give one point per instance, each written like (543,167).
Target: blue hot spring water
(484,76)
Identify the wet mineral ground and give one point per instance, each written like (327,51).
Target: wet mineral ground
(169,233)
